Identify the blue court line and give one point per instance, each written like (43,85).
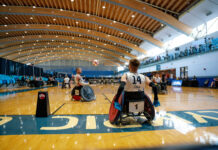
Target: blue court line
(23,90)
(29,124)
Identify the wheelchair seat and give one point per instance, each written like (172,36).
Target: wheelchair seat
(83,93)
(65,85)
(132,104)
(163,88)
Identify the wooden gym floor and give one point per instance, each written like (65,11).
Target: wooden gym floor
(186,116)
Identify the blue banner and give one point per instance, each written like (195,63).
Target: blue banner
(176,82)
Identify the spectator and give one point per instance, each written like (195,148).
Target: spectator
(194,78)
(210,43)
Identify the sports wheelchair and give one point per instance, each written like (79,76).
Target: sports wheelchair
(161,88)
(65,85)
(83,93)
(140,105)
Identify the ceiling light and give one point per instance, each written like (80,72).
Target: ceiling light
(121,33)
(68,27)
(99,27)
(72,0)
(34,6)
(5,25)
(103,7)
(4,5)
(48,25)
(77,22)
(133,16)
(114,21)
(162,25)
(6,17)
(31,18)
(88,14)
(61,9)
(6,33)
(54,19)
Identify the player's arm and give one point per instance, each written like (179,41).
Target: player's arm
(154,87)
(121,87)
(81,82)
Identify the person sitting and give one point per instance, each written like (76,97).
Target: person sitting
(78,78)
(214,83)
(134,82)
(79,83)
(157,79)
(66,81)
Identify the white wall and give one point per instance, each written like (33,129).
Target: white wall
(196,65)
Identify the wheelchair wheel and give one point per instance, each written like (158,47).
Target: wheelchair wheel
(114,113)
(149,109)
(76,94)
(87,93)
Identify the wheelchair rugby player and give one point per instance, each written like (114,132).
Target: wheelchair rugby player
(131,99)
(82,91)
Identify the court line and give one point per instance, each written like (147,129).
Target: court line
(58,108)
(23,90)
(107,98)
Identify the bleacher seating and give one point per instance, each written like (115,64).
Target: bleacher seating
(173,55)
(12,80)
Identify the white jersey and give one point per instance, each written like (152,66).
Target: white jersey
(78,79)
(134,82)
(66,80)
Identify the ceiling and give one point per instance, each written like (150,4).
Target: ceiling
(36,31)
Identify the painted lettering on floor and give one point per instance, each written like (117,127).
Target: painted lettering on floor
(182,121)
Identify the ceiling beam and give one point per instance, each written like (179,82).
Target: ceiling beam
(27,53)
(5,42)
(82,17)
(153,13)
(58,28)
(13,50)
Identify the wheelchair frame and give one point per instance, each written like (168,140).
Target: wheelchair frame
(116,116)
(79,95)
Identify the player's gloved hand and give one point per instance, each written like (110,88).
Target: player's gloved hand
(156,103)
(117,106)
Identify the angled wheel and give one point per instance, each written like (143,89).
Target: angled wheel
(149,109)
(114,113)
(87,93)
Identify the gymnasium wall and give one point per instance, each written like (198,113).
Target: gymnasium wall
(68,66)
(9,67)
(196,65)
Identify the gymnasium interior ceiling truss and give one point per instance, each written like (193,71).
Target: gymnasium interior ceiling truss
(35,31)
